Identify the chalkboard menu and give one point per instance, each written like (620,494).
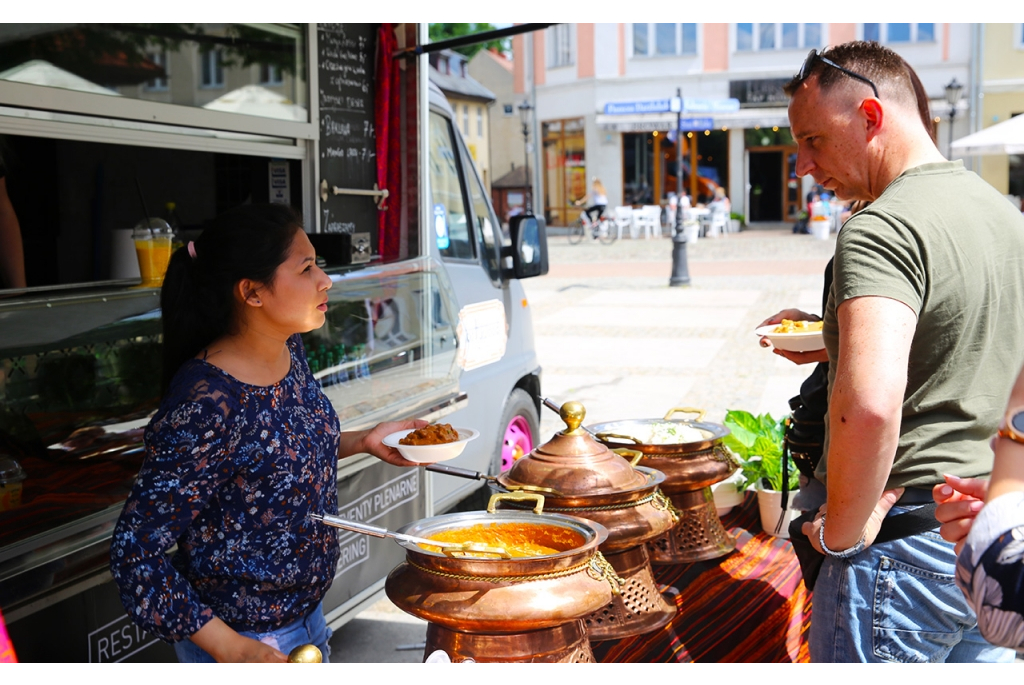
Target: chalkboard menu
(348,149)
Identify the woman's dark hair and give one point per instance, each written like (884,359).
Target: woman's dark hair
(197,299)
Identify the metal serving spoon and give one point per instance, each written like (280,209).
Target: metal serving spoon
(376,531)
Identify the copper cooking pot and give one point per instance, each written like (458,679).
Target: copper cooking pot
(691,468)
(687,465)
(502,596)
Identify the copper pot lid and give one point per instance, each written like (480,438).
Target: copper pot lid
(654,436)
(574,463)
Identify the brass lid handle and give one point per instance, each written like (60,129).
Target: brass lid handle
(305,654)
(519,496)
(686,410)
(573,414)
(634,456)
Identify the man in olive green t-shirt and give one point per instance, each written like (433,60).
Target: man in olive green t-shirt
(924,329)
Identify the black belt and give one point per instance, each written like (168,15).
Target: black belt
(913,522)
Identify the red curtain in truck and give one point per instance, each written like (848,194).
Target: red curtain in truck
(388,147)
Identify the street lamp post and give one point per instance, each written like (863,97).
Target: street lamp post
(953,90)
(525,108)
(680,270)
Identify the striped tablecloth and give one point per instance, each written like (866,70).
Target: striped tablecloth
(749,606)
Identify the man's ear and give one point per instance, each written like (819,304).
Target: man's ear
(874,116)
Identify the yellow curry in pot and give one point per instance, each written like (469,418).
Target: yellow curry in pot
(518,539)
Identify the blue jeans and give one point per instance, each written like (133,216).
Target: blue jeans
(896,602)
(310,630)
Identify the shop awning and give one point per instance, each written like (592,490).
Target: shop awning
(666,121)
(1006,138)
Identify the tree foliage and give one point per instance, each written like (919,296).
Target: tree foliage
(439,32)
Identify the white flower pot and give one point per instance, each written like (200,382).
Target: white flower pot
(770,504)
(727,493)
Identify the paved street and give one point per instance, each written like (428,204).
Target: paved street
(612,334)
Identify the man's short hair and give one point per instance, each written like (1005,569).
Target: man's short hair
(886,69)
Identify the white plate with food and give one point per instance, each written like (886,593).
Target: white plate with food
(794,336)
(430,444)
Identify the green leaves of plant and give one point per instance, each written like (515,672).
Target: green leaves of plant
(758,442)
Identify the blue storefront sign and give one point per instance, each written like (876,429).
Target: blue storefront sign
(665,105)
(696,124)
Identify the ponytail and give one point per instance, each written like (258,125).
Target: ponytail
(197,299)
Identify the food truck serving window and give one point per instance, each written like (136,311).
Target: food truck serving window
(256,70)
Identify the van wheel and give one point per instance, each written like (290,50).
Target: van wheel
(520,428)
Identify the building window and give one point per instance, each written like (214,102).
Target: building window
(777,36)
(689,39)
(744,37)
(465,119)
(158,58)
(559,40)
(270,75)
(509,110)
(639,39)
(900,33)
(665,39)
(565,169)
(790,36)
(212,69)
(480,122)
(669,39)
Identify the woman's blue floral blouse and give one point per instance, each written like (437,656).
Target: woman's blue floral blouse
(990,570)
(231,472)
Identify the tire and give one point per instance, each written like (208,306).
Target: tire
(518,431)
(607,236)
(576,232)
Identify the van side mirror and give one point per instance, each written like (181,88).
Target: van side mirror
(529,248)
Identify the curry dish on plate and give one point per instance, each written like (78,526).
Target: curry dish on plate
(518,539)
(434,434)
(788,326)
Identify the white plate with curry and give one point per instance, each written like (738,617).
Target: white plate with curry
(797,337)
(429,454)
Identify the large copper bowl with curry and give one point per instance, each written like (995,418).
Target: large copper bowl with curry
(551,574)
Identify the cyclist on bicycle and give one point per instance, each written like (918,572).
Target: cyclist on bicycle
(598,203)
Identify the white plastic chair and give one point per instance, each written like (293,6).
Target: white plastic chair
(624,219)
(650,220)
(714,224)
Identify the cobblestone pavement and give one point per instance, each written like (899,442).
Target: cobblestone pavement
(611,333)
(628,345)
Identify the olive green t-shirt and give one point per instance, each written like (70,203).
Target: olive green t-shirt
(949,246)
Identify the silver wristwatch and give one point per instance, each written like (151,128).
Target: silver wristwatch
(842,554)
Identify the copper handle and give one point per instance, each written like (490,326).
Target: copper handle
(606,436)
(686,410)
(518,496)
(634,456)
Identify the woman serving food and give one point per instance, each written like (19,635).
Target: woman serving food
(243,447)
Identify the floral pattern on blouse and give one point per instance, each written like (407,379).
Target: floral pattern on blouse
(231,473)
(990,570)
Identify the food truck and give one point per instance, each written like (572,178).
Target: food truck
(104,127)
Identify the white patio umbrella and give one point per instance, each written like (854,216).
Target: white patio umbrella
(260,102)
(39,72)
(1005,138)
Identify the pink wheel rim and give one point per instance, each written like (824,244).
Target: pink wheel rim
(517,443)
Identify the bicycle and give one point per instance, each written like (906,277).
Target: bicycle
(602,230)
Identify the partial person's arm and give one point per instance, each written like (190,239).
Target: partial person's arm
(990,566)
(12,253)
(865,412)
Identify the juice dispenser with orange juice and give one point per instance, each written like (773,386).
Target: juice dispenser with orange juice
(153,247)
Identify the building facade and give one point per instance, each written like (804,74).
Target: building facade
(449,71)
(604,106)
(1002,97)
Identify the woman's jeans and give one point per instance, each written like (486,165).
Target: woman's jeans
(896,602)
(311,630)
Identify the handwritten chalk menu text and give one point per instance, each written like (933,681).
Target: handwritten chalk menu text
(348,148)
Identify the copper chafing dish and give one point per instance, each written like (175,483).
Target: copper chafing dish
(691,467)
(483,607)
(582,477)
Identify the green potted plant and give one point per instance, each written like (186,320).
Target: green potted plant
(736,220)
(757,442)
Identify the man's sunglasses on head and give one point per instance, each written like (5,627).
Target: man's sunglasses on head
(815,56)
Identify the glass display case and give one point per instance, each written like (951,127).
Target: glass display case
(79,380)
